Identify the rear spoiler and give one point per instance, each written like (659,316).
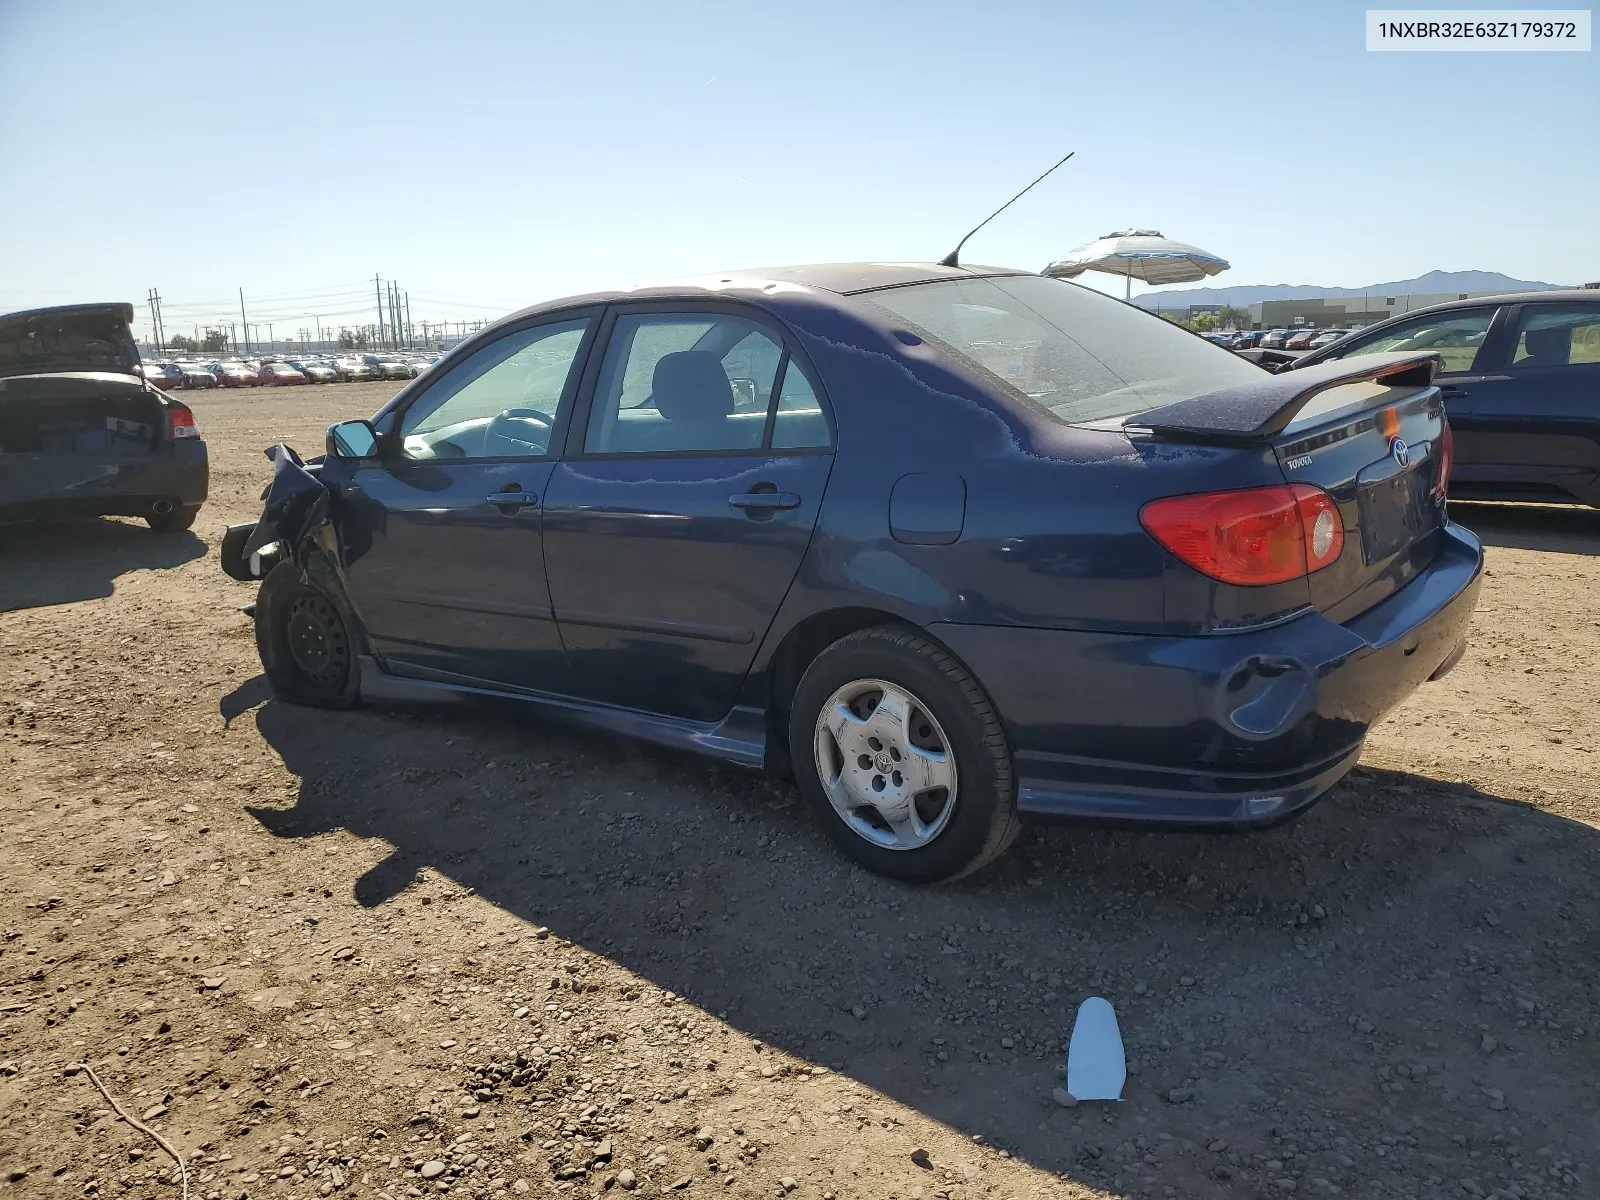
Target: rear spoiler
(1262,410)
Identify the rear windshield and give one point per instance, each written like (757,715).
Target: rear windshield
(1073,352)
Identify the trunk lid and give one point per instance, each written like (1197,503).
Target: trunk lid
(72,337)
(1379,454)
(1371,433)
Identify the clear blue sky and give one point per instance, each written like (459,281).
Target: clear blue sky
(494,154)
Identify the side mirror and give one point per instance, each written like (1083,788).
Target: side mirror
(352,439)
(745,394)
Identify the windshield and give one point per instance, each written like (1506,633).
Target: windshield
(1077,354)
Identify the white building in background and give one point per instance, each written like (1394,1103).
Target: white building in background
(1341,312)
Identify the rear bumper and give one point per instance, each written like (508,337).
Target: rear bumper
(1230,731)
(56,486)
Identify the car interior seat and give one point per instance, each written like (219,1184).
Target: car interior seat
(1547,347)
(691,391)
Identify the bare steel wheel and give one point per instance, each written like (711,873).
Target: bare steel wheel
(885,763)
(317,640)
(901,756)
(306,645)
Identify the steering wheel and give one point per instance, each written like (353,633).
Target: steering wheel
(526,426)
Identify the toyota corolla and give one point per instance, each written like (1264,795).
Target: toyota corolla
(953,546)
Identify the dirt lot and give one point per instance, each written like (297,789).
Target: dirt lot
(393,953)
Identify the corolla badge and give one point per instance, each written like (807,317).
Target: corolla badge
(1401,452)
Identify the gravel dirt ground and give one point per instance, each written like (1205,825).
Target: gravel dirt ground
(397,953)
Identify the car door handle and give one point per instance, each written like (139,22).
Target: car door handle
(513,500)
(764,501)
(1448,390)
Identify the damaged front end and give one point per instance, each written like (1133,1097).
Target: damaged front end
(294,521)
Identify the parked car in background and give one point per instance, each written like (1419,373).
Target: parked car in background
(1273,339)
(829,520)
(197,375)
(234,373)
(1326,338)
(354,367)
(83,433)
(1520,375)
(164,375)
(314,370)
(279,374)
(1302,339)
(393,366)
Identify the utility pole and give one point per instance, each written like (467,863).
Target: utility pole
(158,334)
(394,313)
(270,340)
(377,287)
(245,321)
(409,338)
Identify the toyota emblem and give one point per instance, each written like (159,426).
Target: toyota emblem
(1401,452)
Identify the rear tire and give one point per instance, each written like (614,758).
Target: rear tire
(174,520)
(937,731)
(307,651)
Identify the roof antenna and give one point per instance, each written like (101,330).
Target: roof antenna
(950,260)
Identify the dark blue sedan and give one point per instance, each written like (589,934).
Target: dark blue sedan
(953,546)
(1520,375)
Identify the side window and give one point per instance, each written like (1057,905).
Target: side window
(799,422)
(683,382)
(1558,337)
(499,402)
(1455,336)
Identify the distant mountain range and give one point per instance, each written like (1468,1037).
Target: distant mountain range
(1433,283)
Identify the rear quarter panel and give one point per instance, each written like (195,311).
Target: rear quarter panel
(1051,536)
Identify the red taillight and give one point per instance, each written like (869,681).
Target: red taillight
(1447,459)
(180,423)
(1251,537)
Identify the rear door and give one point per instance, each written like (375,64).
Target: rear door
(1531,425)
(687,500)
(446,566)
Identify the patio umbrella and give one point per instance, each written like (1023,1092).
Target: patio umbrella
(1139,254)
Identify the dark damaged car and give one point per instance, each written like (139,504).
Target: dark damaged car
(83,432)
(953,546)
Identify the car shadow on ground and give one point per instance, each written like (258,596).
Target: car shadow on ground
(1261,981)
(82,560)
(1572,529)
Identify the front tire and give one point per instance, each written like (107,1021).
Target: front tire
(900,755)
(306,647)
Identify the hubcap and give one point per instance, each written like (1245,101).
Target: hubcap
(885,764)
(316,640)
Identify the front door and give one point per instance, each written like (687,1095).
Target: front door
(1530,426)
(679,519)
(445,562)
